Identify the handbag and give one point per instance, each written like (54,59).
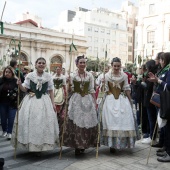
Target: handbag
(155,99)
(165,104)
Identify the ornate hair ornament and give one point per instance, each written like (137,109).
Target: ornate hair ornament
(78,58)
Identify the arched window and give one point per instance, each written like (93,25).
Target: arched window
(55,61)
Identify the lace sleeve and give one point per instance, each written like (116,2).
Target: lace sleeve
(26,83)
(50,84)
(126,85)
(91,86)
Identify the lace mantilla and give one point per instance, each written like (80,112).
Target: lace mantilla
(82,111)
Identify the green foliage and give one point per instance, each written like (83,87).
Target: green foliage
(95,65)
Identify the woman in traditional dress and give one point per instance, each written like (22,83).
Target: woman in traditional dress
(37,121)
(81,125)
(59,95)
(117,116)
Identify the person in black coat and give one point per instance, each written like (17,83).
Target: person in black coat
(8,100)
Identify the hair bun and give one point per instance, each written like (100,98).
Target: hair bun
(116,59)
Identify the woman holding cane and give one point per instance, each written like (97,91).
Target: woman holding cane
(81,126)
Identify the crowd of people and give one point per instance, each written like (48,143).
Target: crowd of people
(40,111)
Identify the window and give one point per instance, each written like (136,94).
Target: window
(96,30)
(151,9)
(102,30)
(130,30)
(151,37)
(95,39)
(89,28)
(130,48)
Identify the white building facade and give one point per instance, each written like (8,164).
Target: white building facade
(102,28)
(130,13)
(153,29)
(38,42)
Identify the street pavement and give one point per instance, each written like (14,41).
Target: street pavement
(130,159)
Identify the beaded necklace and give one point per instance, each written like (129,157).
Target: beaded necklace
(82,81)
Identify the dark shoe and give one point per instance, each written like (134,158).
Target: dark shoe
(161,154)
(165,158)
(82,150)
(77,152)
(38,154)
(161,149)
(157,145)
(112,150)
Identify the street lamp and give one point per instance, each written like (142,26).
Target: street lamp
(14,48)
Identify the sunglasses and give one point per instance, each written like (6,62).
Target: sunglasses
(41,63)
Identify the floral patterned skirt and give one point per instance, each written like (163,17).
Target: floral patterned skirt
(81,138)
(119,139)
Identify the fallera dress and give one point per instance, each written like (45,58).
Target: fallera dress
(37,121)
(81,125)
(117,116)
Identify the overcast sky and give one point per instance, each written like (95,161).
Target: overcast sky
(49,10)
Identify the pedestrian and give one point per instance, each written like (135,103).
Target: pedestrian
(81,126)
(8,100)
(162,78)
(59,95)
(117,116)
(151,109)
(37,121)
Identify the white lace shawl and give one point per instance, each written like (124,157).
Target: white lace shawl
(116,80)
(89,77)
(46,77)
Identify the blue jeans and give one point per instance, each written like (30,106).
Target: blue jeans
(7,117)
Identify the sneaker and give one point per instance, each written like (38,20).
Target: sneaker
(146,140)
(4,134)
(9,136)
(165,158)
